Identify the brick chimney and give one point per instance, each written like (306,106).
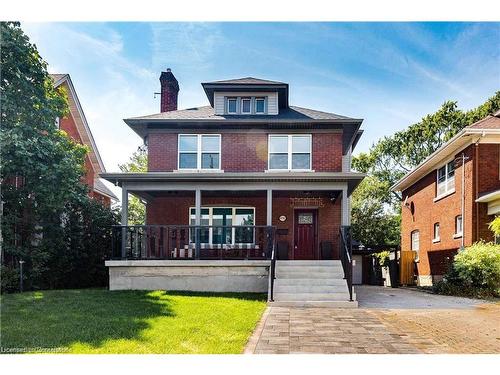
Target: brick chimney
(169,91)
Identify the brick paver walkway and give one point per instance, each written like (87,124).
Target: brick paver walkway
(324,330)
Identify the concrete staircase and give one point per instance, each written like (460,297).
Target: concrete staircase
(311,283)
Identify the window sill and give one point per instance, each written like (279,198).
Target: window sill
(288,170)
(457,235)
(198,171)
(439,197)
(436,240)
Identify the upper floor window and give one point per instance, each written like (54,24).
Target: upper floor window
(290,152)
(458,225)
(232,105)
(446,179)
(415,240)
(199,151)
(246,105)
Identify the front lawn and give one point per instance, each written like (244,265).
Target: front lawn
(100,321)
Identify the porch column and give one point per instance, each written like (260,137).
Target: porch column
(269,220)
(124,220)
(197,222)
(346,214)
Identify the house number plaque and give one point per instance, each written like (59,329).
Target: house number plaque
(282,218)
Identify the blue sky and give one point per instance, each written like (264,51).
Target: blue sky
(390,74)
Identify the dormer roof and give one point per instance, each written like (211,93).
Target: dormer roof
(247,84)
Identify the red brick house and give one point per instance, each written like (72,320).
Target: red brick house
(76,126)
(450,198)
(235,180)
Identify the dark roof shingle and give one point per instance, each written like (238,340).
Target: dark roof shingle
(489,122)
(245,81)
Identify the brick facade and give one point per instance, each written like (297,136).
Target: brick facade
(481,175)
(245,152)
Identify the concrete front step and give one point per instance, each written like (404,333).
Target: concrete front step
(288,263)
(315,269)
(279,288)
(310,282)
(330,304)
(281,274)
(340,296)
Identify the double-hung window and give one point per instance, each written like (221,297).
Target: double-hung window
(246,105)
(436,233)
(458,226)
(199,151)
(415,240)
(446,179)
(290,152)
(232,105)
(260,105)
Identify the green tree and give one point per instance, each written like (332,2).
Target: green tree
(138,163)
(41,171)
(389,159)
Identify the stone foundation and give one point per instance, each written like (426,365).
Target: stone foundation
(189,275)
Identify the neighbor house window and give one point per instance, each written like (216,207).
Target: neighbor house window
(290,152)
(458,225)
(415,240)
(232,105)
(222,225)
(436,232)
(260,105)
(446,179)
(199,151)
(58,123)
(246,105)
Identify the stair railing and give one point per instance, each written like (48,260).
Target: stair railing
(272,272)
(346,256)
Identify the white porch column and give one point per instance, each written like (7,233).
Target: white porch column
(346,211)
(124,220)
(269,216)
(197,204)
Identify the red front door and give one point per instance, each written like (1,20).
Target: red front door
(305,234)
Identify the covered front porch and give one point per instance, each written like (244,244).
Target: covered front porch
(208,216)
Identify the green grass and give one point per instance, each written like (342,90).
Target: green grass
(100,321)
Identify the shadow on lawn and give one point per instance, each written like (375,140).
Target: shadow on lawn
(60,318)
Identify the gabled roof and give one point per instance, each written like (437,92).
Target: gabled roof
(80,121)
(247,84)
(101,188)
(246,81)
(477,132)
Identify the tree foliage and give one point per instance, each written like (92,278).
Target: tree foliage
(137,163)
(43,194)
(389,159)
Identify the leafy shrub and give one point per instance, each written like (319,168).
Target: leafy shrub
(475,272)
(495,226)
(479,266)
(383,258)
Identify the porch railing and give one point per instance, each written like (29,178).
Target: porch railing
(193,242)
(346,256)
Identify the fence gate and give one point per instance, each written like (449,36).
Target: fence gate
(407,268)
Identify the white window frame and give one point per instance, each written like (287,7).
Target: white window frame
(412,241)
(199,153)
(263,99)
(447,180)
(58,122)
(243,99)
(227,104)
(233,217)
(438,237)
(289,152)
(461,232)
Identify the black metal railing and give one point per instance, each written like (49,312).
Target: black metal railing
(272,274)
(346,256)
(193,242)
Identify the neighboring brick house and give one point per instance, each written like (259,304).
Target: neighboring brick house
(75,125)
(438,215)
(248,158)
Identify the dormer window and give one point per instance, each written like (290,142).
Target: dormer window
(260,105)
(246,105)
(232,105)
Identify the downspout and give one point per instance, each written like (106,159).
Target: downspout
(463,199)
(476,182)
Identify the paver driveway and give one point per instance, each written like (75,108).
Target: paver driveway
(388,321)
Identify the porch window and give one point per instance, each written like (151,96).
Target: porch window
(217,218)
(290,152)
(446,179)
(199,151)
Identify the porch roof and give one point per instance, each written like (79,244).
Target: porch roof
(249,178)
